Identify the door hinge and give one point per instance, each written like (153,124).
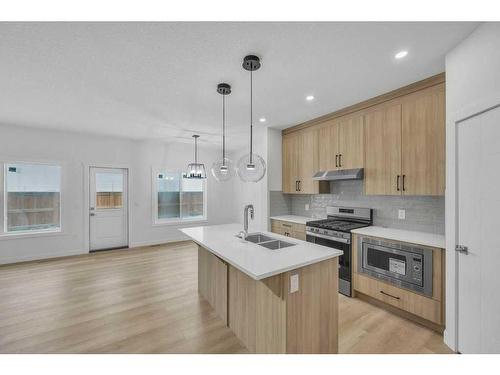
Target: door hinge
(462,249)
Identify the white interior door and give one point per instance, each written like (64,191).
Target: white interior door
(108,208)
(479,230)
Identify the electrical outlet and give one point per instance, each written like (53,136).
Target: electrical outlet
(401,214)
(307,207)
(294,283)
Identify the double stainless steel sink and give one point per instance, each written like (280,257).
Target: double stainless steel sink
(267,241)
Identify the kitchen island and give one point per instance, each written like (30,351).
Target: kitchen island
(275,301)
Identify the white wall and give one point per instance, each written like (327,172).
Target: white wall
(274,155)
(472,86)
(76,152)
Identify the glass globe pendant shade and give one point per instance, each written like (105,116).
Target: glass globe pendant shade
(251,171)
(223,170)
(195,170)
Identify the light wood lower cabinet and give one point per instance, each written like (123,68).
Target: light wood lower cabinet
(265,315)
(267,318)
(286,228)
(429,309)
(212,281)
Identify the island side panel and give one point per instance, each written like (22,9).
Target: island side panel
(271,315)
(257,312)
(312,311)
(242,311)
(212,281)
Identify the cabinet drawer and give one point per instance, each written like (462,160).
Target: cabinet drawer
(413,303)
(288,226)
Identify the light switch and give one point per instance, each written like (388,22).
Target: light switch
(401,214)
(307,207)
(294,283)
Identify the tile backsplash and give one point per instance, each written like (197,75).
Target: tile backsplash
(425,214)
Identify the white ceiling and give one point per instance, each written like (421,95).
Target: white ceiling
(158,80)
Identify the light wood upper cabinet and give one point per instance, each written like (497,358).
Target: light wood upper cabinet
(405,145)
(341,143)
(383,150)
(290,163)
(300,162)
(328,143)
(351,142)
(308,161)
(423,134)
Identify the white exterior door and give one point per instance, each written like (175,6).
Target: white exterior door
(478,168)
(108,211)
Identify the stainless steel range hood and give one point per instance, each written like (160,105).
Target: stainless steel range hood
(334,175)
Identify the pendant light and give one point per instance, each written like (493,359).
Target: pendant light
(223,169)
(195,170)
(251,167)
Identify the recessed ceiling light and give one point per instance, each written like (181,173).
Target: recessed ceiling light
(262,119)
(309,98)
(401,54)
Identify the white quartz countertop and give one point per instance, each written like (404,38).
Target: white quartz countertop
(418,238)
(254,260)
(293,218)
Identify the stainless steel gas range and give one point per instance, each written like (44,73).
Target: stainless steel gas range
(335,232)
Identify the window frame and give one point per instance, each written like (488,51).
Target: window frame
(175,221)
(4,233)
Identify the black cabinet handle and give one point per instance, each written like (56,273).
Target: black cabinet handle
(404,182)
(397,183)
(340,160)
(388,295)
(299,184)
(336,160)
(296,185)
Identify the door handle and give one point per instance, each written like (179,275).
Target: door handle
(92,214)
(388,295)
(462,249)
(404,182)
(397,183)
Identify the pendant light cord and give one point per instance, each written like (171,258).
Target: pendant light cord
(223,130)
(196,150)
(251,115)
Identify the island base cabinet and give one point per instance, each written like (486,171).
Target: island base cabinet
(268,317)
(212,281)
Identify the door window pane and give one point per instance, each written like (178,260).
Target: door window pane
(168,187)
(33,197)
(109,190)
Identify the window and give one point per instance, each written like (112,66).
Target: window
(178,199)
(32,197)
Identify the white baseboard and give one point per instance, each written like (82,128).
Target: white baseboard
(27,258)
(158,242)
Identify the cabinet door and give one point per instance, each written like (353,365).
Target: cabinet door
(290,163)
(307,161)
(351,142)
(383,150)
(328,146)
(423,157)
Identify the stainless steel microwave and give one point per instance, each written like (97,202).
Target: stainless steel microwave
(405,266)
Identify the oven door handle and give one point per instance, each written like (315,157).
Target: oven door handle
(334,239)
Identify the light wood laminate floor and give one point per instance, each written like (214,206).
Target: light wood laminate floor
(145,300)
